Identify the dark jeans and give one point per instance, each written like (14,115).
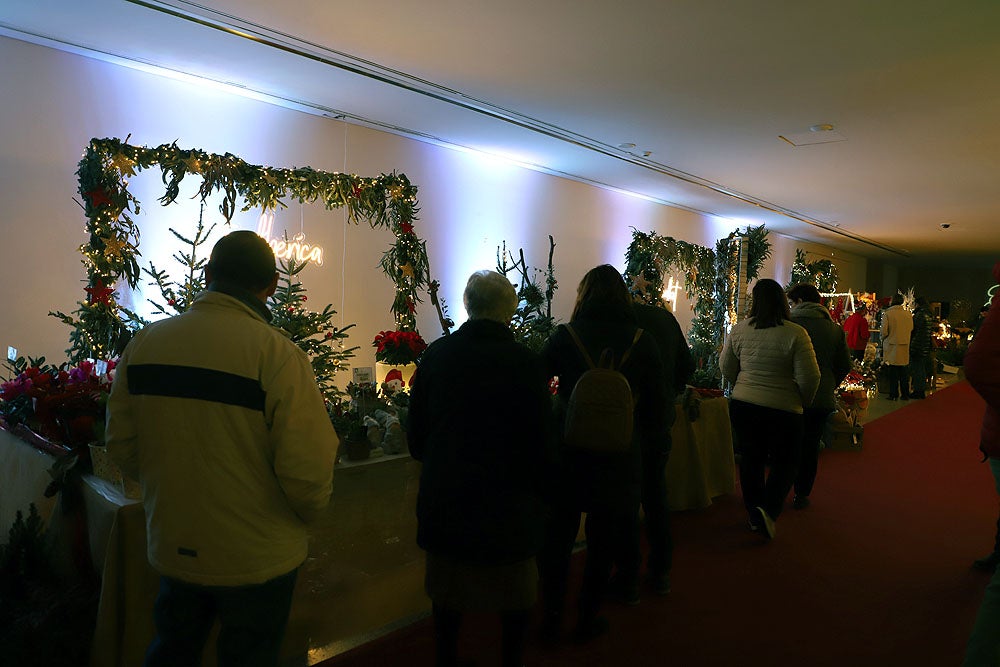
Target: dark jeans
(252,622)
(766,435)
(448,623)
(657,520)
(899,381)
(920,370)
(656,511)
(607,530)
(813,422)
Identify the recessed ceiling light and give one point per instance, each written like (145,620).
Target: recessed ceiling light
(626,146)
(822,127)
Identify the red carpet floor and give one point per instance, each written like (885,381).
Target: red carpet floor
(875,573)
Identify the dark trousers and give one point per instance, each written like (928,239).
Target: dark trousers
(920,370)
(252,622)
(766,435)
(899,381)
(606,530)
(813,423)
(656,511)
(448,622)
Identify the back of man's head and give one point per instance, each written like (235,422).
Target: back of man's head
(804,292)
(490,296)
(243,259)
(897,300)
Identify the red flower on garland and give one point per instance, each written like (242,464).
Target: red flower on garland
(398,347)
(406,227)
(98,293)
(98,197)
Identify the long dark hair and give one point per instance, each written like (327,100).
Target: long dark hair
(602,295)
(769,307)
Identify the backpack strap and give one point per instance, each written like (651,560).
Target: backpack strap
(638,334)
(579,344)
(607,356)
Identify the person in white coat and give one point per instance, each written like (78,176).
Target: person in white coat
(772,365)
(897,324)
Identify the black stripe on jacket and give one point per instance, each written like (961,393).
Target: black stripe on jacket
(199,383)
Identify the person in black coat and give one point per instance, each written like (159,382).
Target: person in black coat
(480,423)
(677,369)
(604,485)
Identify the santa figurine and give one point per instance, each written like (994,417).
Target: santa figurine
(394,381)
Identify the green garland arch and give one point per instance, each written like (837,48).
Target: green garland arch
(111,251)
(710,280)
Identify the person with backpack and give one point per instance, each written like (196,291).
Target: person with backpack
(771,364)
(606,418)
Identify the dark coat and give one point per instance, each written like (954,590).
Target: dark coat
(678,365)
(479,421)
(920,337)
(830,346)
(588,479)
(982,369)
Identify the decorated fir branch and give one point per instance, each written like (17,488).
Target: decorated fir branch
(111,251)
(710,281)
(532,323)
(314,332)
(822,273)
(179,296)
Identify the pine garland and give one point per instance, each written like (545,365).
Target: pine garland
(111,252)
(710,281)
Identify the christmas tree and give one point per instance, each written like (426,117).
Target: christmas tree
(180,295)
(314,332)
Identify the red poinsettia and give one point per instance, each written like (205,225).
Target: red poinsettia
(398,347)
(64,405)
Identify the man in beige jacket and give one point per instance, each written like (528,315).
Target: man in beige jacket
(218,416)
(897,323)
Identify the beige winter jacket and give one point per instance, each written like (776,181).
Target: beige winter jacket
(774,367)
(218,416)
(897,323)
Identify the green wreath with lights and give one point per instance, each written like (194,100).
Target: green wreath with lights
(111,251)
(711,280)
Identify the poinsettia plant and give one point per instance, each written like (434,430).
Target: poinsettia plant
(398,347)
(65,405)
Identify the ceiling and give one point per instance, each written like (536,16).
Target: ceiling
(889,110)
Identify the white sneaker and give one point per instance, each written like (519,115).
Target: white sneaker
(768,523)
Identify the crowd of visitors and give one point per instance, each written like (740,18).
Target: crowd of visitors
(531,444)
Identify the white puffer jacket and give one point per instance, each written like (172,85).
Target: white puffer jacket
(218,416)
(774,367)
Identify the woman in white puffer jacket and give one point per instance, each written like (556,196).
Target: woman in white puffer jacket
(771,363)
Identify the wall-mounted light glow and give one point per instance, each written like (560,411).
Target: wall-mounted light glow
(296,248)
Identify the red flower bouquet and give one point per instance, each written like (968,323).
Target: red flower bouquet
(398,347)
(63,405)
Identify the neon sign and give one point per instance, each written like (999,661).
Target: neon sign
(670,292)
(295,248)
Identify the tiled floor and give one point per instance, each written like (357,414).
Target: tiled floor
(364,576)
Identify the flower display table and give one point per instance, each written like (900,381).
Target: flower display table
(702,464)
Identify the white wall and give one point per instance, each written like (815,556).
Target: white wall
(54,103)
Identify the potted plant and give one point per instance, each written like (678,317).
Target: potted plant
(397,350)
